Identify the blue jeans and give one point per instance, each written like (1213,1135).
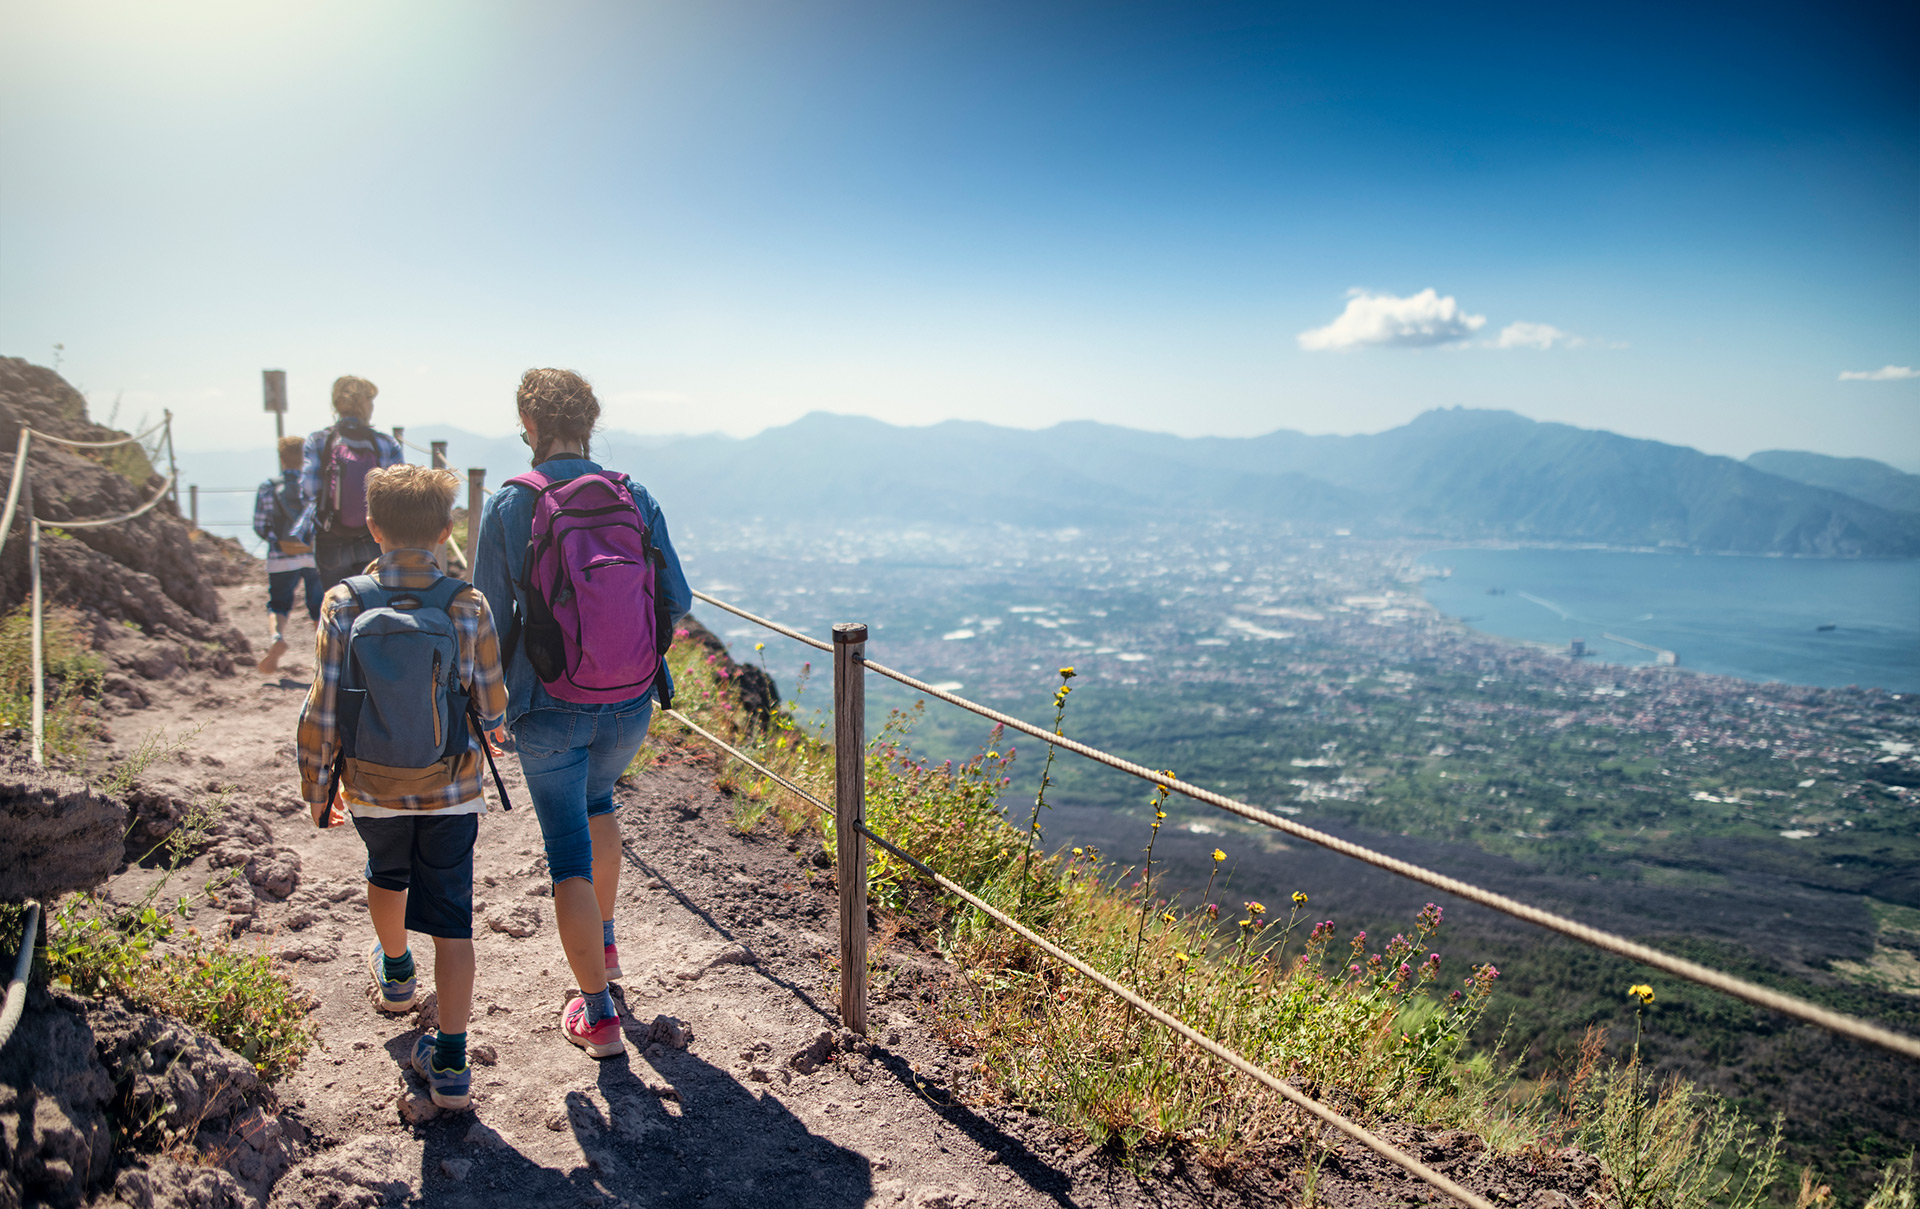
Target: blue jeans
(571,758)
(280,589)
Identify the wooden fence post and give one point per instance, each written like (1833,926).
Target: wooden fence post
(476,502)
(850,814)
(193,504)
(39,656)
(439,454)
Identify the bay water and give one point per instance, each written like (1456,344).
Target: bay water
(1826,622)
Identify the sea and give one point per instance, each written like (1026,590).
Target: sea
(1826,622)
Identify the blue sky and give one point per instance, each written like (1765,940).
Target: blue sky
(1198,218)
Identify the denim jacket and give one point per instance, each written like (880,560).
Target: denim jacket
(506,524)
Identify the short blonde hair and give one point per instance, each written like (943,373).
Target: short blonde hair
(413,505)
(353,397)
(292,451)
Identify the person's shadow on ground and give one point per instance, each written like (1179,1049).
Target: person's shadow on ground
(662,1127)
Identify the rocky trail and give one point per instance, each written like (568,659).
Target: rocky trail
(737,1088)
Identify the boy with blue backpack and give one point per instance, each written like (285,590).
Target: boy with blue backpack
(277,511)
(407,687)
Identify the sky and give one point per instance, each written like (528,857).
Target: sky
(1695,224)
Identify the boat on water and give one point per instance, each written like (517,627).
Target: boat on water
(1824,628)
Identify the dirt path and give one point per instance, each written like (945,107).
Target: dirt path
(720,934)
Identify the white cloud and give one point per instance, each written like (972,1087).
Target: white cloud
(1418,321)
(1886,373)
(1533,335)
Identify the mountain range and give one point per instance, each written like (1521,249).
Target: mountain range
(1454,474)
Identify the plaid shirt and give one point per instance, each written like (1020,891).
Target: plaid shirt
(319,737)
(264,510)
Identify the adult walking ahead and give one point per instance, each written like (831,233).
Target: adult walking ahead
(335,463)
(579,559)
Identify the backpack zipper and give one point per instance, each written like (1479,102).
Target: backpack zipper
(439,740)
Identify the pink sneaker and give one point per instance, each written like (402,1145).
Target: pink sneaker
(600,1040)
(613,963)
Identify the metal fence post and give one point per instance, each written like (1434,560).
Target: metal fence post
(850,814)
(39,657)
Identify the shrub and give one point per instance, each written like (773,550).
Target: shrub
(97,948)
(74,674)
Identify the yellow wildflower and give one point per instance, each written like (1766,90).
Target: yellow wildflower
(1167,915)
(1180,957)
(1218,856)
(1159,814)
(1642,992)
(1067,673)
(759,646)
(1299,899)
(1079,851)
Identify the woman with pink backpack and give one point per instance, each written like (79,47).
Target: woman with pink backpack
(576,562)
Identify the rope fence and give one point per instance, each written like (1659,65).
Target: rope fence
(21,488)
(1789,1005)
(1180,1028)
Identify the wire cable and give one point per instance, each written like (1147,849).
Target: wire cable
(775,626)
(1221,1053)
(1739,988)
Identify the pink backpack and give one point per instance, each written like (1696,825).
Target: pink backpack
(595,627)
(350,455)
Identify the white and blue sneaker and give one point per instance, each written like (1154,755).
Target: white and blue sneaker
(391,994)
(449,1088)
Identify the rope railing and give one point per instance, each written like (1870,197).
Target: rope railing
(142,510)
(47,436)
(1739,988)
(1146,1007)
(16,1001)
(21,487)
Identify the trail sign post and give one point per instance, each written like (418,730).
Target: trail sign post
(274,385)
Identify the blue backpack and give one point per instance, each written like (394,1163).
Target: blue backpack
(403,714)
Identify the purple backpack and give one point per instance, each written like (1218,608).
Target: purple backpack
(349,456)
(595,626)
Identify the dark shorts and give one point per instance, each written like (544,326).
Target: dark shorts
(431,860)
(280,589)
(342,554)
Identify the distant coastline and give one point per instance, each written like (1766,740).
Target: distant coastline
(1821,622)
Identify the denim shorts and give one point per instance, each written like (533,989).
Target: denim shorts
(431,860)
(280,589)
(571,758)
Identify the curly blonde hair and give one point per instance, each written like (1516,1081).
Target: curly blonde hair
(353,397)
(561,405)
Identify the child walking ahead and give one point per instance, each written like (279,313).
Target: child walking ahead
(408,666)
(277,509)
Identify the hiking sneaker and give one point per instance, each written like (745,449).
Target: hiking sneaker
(392,995)
(272,660)
(600,1040)
(613,963)
(449,1088)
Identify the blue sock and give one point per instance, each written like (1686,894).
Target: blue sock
(397,969)
(599,1007)
(449,1051)
(606,931)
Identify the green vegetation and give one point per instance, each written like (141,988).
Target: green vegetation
(97,948)
(73,672)
(1364,1026)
